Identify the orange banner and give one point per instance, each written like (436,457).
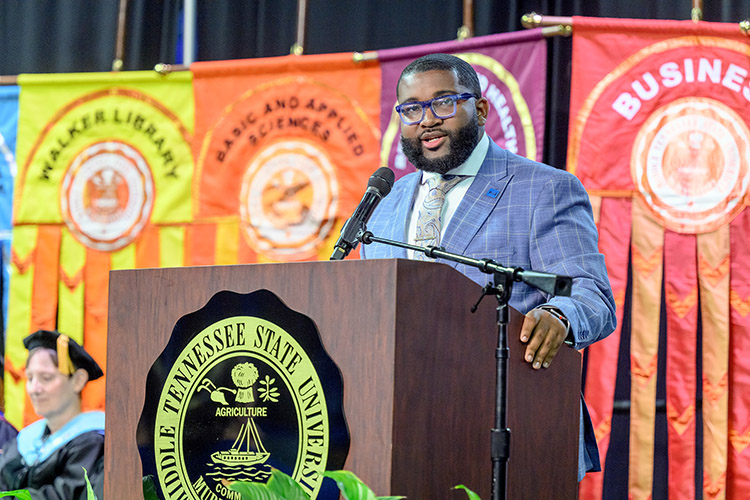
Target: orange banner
(713,277)
(647,256)
(288,144)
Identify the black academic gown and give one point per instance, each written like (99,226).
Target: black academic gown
(60,477)
(7,431)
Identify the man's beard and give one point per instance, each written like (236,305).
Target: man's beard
(462,143)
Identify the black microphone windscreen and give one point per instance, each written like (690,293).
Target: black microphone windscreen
(382,180)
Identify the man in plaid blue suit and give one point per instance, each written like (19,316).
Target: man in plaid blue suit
(518,212)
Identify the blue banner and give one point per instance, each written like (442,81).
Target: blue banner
(8,127)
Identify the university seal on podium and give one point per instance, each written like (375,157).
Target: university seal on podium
(243,386)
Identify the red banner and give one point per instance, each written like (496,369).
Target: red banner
(660,112)
(659,116)
(738,451)
(614,242)
(681,297)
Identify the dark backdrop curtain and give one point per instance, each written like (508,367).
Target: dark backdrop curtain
(55,36)
(46,36)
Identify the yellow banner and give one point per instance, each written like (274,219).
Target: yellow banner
(99,149)
(105,165)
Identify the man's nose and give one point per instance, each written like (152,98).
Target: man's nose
(429,117)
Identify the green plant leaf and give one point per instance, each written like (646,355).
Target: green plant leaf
(472,495)
(285,486)
(19,494)
(89,490)
(352,487)
(254,491)
(149,488)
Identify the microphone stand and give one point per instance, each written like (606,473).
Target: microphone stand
(503,283)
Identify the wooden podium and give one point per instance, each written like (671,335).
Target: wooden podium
(418,368)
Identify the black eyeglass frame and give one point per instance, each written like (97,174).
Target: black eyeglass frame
(455,97)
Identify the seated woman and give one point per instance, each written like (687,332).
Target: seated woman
(48,456)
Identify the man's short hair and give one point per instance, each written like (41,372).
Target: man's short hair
(465,74)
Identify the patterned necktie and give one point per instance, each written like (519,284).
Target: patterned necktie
(428,221)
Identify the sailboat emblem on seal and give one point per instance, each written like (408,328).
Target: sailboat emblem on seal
(241,452)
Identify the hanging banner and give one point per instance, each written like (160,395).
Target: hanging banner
(681,300)
(287,145)
(104,177)
(613,224)
(659,116)
(738,454)
(8,125)
(672,97)
(512,70)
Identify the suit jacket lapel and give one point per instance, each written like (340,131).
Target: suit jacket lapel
(481,198)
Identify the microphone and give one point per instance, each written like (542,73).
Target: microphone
(378,187)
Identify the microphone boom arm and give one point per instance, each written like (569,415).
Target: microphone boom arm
(552,284)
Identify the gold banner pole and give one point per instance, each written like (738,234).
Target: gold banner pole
(299,46)
(534,20)
(120,39)
(696,13)
(551,25)
(467,29)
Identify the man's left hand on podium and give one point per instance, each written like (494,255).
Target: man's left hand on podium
(543,332)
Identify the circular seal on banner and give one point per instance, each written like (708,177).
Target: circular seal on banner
(243,386)
(289,199)
(690,164)
(107,195)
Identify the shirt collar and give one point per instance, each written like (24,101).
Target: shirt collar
(470,167)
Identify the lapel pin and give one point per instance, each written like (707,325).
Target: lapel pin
(492,193)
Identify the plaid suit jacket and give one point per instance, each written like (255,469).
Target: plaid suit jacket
(520,213)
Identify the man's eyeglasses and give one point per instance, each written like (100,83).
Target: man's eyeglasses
(442,107)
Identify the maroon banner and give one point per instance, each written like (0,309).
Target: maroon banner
(512,70)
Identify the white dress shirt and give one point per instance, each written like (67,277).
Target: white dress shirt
(468,169)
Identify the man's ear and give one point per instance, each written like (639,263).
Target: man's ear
(483,110)
(79,379)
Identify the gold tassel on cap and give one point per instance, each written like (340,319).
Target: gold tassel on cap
(63,357)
